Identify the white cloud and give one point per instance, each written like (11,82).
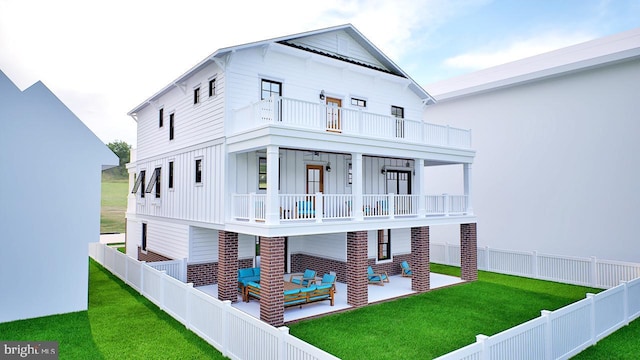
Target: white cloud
(517,49)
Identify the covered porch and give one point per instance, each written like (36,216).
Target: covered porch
(397,287)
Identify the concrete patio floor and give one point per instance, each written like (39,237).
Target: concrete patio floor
(397,287)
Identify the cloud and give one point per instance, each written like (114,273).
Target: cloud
(515,50)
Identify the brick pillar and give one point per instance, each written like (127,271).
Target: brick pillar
(272,280)
(227,266)
(357,283)
(420,265)
(468,252)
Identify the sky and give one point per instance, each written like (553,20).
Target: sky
(103,58)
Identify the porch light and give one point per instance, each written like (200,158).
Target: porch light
(383,171)
(407,164)
(328,167)
(322,95)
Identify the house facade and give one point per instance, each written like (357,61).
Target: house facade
(50,198)
(307,151)
(558,137)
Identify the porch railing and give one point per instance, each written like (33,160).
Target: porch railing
(320,207)
(311,115)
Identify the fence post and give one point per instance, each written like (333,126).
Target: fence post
(226,321)
(594,272)
(592,314)
(282,348)
(142,264)
(446,254)
(483,353)
(163,279)
(486,258)
(187,315)
(548,338)
(626,301)
(183,270)
(534,265)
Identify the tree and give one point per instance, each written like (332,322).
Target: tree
(123,151)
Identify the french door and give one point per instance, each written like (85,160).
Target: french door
(333,114)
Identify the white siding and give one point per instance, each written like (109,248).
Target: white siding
(400,242)
(329,246)
(246,246)
(194,124)
(187,200)
(204,245)
(338,42)
(167,239)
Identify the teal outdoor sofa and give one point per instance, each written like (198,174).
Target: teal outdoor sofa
(301,296)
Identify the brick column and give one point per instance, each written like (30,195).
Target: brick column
(357,283)
(227,266)
(272,280)
(468,252)
(420,265)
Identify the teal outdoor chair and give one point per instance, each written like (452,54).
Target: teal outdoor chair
(329,279)
(377,278)
(305,209)
(305,279)
(406,269)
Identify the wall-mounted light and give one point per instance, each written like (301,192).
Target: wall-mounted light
(383,171)
(407,164)
(322,95)
(328,167)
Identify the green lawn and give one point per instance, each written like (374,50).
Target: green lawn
(435,323)
(113,205)
(120,324)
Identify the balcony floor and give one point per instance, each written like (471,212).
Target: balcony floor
(397,287)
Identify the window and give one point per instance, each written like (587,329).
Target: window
(170,174)
(154,182)
(196,95)
(171,117)
(160,117)
(384,244)
(198,171)
(270,88)
(139,181)
(262,173)
(398,112)
(144,237)
(212,87)
(358,102)
(349,173)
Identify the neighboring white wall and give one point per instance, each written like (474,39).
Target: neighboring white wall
(50,195)
(557,163)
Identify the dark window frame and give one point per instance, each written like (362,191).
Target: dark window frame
(212,87)
(198,171)
(398,113)
(358,102)
(171,126)
(262,175)
(384,244)
(270,89)
(144,237)
(161,117)
(154,182)
(170,175)
(196,96)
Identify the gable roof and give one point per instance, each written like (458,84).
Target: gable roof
(382,62)
(620,47)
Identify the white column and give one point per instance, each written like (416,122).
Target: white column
(422,187)
(467,187)
(357,185)
(273,177)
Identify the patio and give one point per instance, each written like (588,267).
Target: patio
(397,287)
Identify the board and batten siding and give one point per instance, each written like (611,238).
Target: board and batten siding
(187,200)
(193,123)
(303,79)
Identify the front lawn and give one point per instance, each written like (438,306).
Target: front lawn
(435,323)
(113,205)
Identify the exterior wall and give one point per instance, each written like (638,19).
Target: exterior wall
(164,238)
(150,256)
(50,194)
(400,244)
(194,124)
(557,166)
(203,246)
(187,200)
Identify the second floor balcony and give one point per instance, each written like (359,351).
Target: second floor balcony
(314,116)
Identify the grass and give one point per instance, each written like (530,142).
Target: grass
(120,323)
(623,344)
(435,323)
(113,205)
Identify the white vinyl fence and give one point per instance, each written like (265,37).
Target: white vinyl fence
(234,333)
(177,269)
(591,271)
(563,333)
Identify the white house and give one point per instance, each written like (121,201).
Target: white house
(310,145)
(558,152)
(50,194)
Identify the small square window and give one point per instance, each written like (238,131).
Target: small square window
(198,171)
(358,102)
(196,95)
(212,87)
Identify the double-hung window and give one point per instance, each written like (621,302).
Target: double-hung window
(171,125)
(170,174)
(212,87)
(196,95)
(384,244)
(262,173)
(398,113)
(198,174)
(161,117)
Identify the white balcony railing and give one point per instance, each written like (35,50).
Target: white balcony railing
(321,207)
(317,116)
